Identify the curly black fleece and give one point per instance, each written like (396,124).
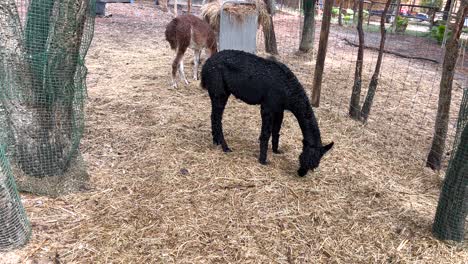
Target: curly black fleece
(272,85)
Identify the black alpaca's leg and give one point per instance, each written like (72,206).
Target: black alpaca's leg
(178,64)
(277,122)
(215,120)
(267,123)
(217,109)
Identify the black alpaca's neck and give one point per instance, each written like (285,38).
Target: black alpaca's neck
(302,110)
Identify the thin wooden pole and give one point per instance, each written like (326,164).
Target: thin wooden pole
(432,18)
(340,14)
(354,105)
(322,53)
(366,107)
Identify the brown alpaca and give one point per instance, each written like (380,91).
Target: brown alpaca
(189,31)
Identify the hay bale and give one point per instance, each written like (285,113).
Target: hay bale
(210,12)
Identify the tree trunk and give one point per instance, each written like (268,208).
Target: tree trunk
(354,108)
(23,119)
(308,30)
(413,3)
(340,14)
(53,47)
(432,21)
(43,72)
(375,77)
(452,208)
(355,8)
(189,6)
(445,94)
(269,33)
(14,228)
(448,4)
(369,14)
(322,53)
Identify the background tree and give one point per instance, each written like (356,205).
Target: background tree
(340,14)
(354,106)
(322,53)
(445,93)
(375,77)
(308,31)
(448,4)
(269,33)
(355,9)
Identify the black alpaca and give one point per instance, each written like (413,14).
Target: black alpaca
(271,84)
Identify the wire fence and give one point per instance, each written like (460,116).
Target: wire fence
(406,99)
(43,89)
(452,210)
(15,229)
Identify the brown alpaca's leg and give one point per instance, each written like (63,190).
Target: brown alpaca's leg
(178,64)
(175,65)
(196,62)
(181,71)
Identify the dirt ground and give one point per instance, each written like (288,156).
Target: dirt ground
(161,193)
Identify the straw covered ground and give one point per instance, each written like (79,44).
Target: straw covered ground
(161,193)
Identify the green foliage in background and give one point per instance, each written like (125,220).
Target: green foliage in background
(437,33)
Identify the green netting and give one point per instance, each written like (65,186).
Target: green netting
(452,209)
(462,120)
(43,44)
(15,229)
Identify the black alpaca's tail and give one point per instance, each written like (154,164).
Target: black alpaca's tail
(211,76)
(204,77)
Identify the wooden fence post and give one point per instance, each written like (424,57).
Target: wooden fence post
(322,53)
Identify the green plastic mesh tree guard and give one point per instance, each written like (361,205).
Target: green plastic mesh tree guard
(452,209)
(43,44)
(15,229)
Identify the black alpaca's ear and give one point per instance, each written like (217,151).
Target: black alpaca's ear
(327,147)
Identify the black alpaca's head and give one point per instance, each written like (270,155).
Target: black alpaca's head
(310,158)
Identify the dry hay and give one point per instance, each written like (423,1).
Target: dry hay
(163,194)
(211,13)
